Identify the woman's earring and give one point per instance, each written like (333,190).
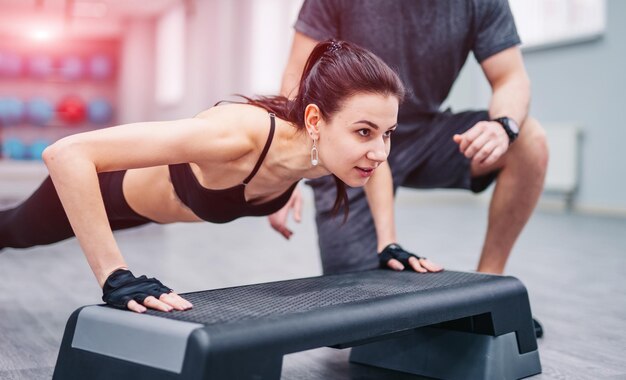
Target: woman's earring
(314,156)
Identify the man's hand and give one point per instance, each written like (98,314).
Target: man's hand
(278,220)
(484,143)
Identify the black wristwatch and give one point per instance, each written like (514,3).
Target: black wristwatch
(510,127)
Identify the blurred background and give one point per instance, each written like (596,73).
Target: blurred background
(72,65)
(68,66)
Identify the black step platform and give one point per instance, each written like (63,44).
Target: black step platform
(442,325)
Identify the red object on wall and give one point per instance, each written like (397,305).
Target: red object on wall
(72,110)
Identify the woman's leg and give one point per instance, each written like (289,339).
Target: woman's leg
(41,219)
(38,220)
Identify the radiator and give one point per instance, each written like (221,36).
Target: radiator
(563,176)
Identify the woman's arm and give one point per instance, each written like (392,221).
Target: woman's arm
(301,48)
(74,162)
(380,197)
(379,191)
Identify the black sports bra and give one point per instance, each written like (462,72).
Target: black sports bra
(225,205)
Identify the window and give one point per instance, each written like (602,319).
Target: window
(170,56)
(544,23)
(272,26)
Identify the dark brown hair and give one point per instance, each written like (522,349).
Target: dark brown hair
(334,71)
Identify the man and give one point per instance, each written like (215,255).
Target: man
(428,42)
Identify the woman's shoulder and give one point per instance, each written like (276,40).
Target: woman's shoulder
(237,118)
(233,111)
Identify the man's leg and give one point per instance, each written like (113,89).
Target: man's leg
(349,246)
(520,174)
(518,187)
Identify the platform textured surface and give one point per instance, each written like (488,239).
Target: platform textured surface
(297,296)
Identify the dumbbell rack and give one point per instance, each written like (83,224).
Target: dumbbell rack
(22,138)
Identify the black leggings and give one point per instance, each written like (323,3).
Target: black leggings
(41,220)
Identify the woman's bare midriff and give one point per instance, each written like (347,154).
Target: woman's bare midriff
(150,193)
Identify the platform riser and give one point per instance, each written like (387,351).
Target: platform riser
(453,355)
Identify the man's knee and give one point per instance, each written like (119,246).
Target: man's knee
(532,146)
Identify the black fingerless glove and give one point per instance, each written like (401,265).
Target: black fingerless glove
(122,286)
(394,251)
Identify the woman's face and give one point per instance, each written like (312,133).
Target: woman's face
(357,138)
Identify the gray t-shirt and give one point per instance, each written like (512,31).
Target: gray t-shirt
(426,41)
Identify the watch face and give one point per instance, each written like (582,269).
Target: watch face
(513,125)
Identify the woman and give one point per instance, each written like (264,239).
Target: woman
(230,161)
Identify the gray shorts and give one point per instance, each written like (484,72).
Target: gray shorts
(423,156)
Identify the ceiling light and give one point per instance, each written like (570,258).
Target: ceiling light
(41,35)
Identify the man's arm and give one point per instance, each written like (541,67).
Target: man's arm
(486,142)
(510,85)
(301,48)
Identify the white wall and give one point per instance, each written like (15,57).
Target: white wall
(136,70)
(232,46)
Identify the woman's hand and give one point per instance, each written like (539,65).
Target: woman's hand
(278,220)
(123,290)
(396,258)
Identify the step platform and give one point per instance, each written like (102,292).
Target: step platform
(443,325)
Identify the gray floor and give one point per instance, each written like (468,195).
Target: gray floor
(572,265)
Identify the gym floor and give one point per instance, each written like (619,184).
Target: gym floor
(573,266)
